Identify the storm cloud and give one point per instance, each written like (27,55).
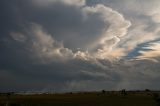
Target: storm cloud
(78,45)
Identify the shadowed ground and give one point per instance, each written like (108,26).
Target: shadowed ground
(80,99)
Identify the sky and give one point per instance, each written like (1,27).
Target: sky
(79,45)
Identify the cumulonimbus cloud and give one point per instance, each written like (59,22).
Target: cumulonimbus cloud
(114,28)
(103,32)
(112,35)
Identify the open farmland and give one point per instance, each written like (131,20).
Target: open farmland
(81,99)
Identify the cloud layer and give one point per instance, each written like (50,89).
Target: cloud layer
(72,45)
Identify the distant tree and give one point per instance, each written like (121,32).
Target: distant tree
(8,98)
(147,90)
(71,93)
(9,94)
(123,92)
(103,91)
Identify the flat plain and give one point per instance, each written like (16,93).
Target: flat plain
(81,99)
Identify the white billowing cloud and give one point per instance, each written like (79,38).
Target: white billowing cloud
(139,35)
(145,28)
(44,45)
(152,52)
(145,18)
(118,25)
(82,55)
(111,36)
(47,47)
(74,2)
(67,2)
(114,54)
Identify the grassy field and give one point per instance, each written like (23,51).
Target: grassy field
(80,99)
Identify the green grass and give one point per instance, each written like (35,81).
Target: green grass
(86,99)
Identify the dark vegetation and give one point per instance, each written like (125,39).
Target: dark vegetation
(103,98)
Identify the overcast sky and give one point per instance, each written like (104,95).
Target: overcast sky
(79,45)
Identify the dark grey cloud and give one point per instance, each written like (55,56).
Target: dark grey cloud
(62,21)
(39,41)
